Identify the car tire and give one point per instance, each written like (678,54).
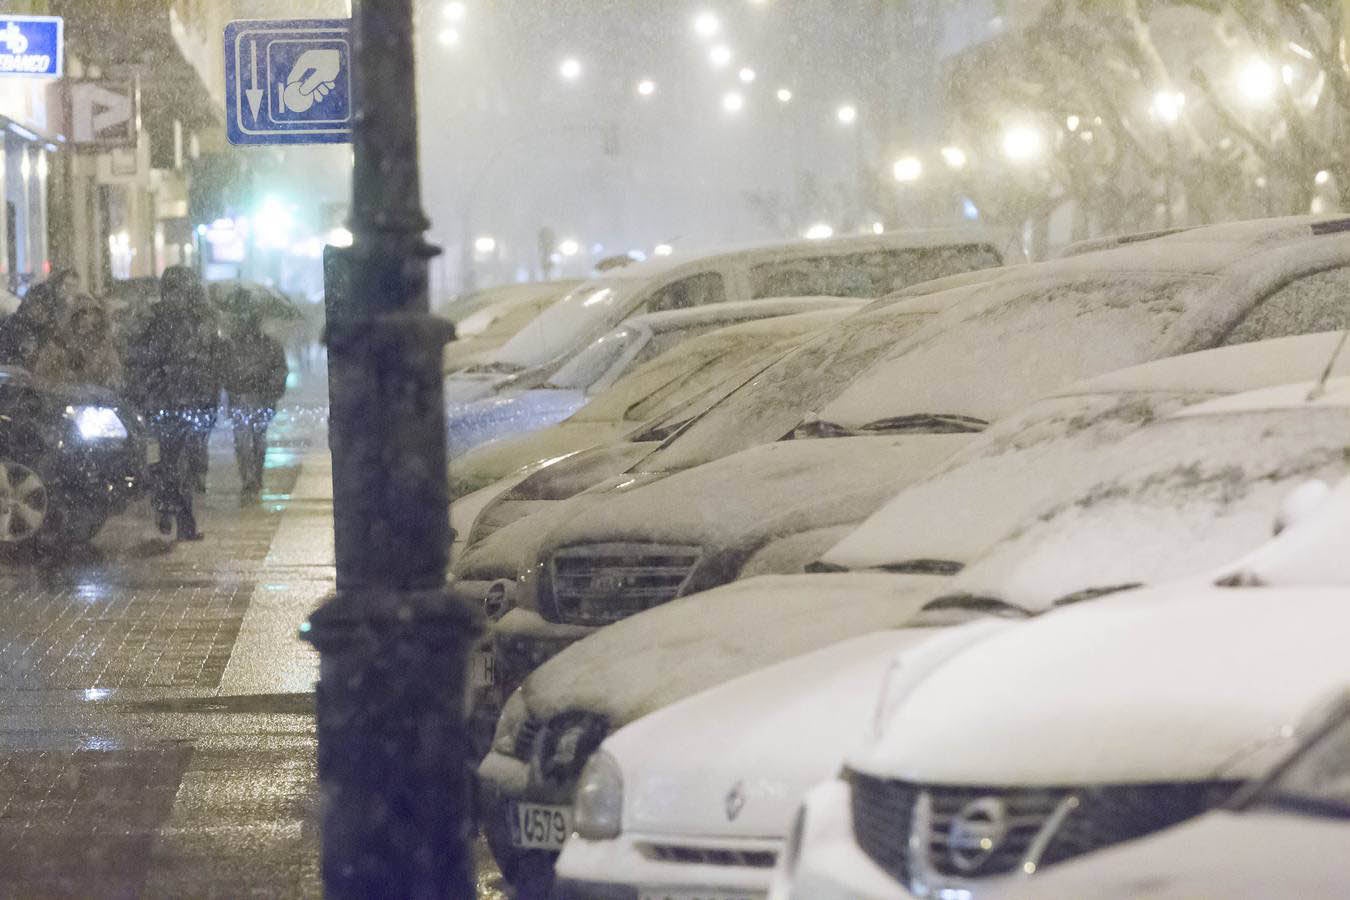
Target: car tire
(529,872)
(26,500)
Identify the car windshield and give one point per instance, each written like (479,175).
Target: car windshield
(582,313)
(593,363)
(770,405)
(1317,780)
(1185,495)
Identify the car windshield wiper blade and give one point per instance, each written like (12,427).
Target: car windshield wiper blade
(923,567)
(818,428)
(976,603)
(495,368)
(1093,593)
(939,423)
(1304,805)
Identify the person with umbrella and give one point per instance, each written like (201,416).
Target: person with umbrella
(255,379)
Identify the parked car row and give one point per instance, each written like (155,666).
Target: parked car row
(946,595)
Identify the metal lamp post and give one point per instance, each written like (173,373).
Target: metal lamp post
(393,753)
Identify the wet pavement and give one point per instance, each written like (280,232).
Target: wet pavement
(156,708)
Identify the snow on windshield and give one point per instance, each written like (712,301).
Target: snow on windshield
(1184,496)
(770,405)
(991,354)
(591,364)
(581,314)
(985,489)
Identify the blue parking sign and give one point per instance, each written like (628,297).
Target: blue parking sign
(30,45)
(288,81)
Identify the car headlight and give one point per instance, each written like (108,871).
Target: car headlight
(598,809)
(97,423)
(513,717)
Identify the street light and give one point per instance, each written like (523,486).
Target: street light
(907,169)
(954,157)
(449,37)
(706,24)
(733,102)
(646,87)
(819,232)
(878,228)
(662,250)
(570,68)
(569,247)
(847,114)
(720,56)
(485,244)
(1167,105)
(746,75)
(1022,143)
(1322,177)
(1256,81)
(784,95)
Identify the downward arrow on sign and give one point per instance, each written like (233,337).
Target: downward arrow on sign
(254,93)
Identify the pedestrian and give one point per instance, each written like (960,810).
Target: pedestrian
(255,379)
(173,373)
(84,351)
(40,315)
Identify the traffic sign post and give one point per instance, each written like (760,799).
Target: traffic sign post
(31,45)
(288,81)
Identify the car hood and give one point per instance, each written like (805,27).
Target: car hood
(1181,682)
(779,488)
(483,465)
(466,386)
(468,425)
(1221,854)
(650,660)
(777,731)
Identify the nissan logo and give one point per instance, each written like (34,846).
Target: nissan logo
(976,832)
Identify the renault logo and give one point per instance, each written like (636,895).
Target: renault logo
(735,801)
(976,832)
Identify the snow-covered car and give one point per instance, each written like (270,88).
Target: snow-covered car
(867,266)
(1101,722)
(899,562)
(486,319)
(1282,837)
(996,345)
(639,340)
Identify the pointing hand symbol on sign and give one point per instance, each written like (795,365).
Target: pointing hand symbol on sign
(312,77)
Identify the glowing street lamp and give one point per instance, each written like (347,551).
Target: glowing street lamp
(733,101)
(662,250)
(646,87)
(954,157)
(455,11)
(1022,144)
(878,228)
(449,37)
(569,247)
(706,25)
(746,75)
(847,114)
(1322,177)
(1256,81)
(570,68)
(819,232)
(485,244)
(1167,106)
(720,56)
(784,95)
(907,169)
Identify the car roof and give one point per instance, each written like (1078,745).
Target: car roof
(1297,395)
(714,314)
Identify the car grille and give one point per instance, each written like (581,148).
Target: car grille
(596,584)
(913,832)
(709,856)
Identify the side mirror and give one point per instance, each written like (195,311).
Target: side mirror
(1299,502)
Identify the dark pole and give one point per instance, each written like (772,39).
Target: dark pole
(393,752)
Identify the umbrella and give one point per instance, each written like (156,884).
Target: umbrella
(240,300)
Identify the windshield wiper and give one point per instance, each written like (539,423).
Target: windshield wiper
(495,368)
(1093,593)
(935,423)
(976,603)
(923,567)
(1303,805)
(818,428)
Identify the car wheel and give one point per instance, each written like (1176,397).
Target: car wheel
(25,502)
(529,872)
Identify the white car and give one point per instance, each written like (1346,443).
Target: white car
(865,267)
(1284,837)
(1108,720)
(608,358)
(486,319)
(649,661)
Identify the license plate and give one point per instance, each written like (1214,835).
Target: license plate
(483,669)
(676,894)
(152,452)
(535,826)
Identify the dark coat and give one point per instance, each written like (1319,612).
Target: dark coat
(255,370)
(175,361)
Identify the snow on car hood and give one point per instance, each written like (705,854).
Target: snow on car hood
(471,424)
(649,661)
(772,489)
(1176,683)
(777,732)
(1221,854)
(484,465)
